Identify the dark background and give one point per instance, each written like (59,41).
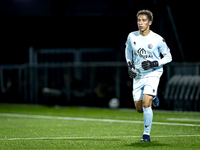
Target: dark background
(87,23)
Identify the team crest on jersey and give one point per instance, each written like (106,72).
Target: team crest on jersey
(150,46)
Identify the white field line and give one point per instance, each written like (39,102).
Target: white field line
(183,119)
(92,119)
(100,137)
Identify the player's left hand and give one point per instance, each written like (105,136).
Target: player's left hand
(149,64)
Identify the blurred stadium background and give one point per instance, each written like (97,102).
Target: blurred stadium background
(71,52)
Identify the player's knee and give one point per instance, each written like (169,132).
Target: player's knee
(138,106)
(139,110)
(146,105)
(147,101)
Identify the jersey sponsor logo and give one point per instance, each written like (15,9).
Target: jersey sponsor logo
(141,52)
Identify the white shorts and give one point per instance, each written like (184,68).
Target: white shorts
(148,85)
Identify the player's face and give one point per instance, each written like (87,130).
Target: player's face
(143,23)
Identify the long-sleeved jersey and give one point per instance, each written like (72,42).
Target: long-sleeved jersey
(141,48)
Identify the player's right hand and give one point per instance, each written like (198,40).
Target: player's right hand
(132,74)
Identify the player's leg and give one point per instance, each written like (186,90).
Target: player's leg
(155,101)
(148,113)
(150,90)
(147,100)
(138,106)
(148,116)
(138,87)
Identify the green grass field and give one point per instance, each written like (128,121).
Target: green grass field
(40,127)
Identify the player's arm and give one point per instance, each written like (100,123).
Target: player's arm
(165,51)
(128,50)
(128,54)
(163,48)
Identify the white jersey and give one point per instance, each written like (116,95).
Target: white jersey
(141,48)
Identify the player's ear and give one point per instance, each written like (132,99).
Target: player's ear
(150,23)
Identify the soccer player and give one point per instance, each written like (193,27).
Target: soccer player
(145,66)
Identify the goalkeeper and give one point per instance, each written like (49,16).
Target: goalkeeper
(145,66)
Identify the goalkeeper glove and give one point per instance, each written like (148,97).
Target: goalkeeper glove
(149,64)
(132,74)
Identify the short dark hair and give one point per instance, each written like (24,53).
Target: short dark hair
(146,12)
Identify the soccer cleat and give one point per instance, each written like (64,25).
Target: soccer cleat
(155,101)
(145,138)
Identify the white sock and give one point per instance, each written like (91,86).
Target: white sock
(148,117)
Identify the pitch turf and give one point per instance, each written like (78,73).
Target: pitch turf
(40,127)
